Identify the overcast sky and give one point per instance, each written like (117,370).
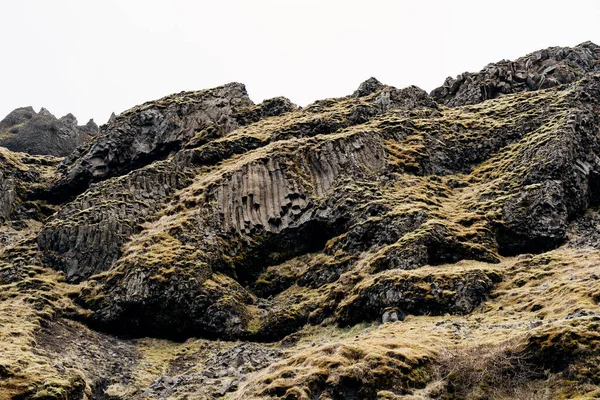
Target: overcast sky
(94,57)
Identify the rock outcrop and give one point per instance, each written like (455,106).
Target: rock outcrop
(201,245)
(292,196)
(24,130)
(22,176)
(155,130)
(539,70)
(83,233)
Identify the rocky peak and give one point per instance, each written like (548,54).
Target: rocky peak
(539,70)
(69,119)
(42,133)
(17,117)
(276,106)
(91,128)
(44,112)
(368,87)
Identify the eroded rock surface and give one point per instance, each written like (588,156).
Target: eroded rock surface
(204,246)
(539,70)
(156,129)
(26,131)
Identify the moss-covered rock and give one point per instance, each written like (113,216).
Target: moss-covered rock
(359,247)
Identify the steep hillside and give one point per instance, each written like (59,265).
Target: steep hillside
(389,244)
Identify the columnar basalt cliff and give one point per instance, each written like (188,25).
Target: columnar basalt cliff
(203,246)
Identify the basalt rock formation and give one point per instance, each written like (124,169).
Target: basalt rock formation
(24,130)
(539,70)
(203,246)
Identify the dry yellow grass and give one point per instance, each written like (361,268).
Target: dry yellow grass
(24,307)
(505,331)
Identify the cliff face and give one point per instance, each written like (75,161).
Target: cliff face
(24,130)
(356,248)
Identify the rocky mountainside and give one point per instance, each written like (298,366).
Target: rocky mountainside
(24,130)
(203,246)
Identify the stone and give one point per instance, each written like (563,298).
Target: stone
(252,228)
(202,245)
(392,315)
(148,133)
(368,87)
(539,70)
(42,133)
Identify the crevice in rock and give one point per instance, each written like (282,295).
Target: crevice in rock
(289,243)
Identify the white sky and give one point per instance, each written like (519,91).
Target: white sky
(92,57)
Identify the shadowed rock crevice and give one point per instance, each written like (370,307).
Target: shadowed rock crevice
(278,248)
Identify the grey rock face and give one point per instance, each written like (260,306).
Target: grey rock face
(91,128)
(368,87)
(539,70)
(397,290)
(535,219)
(583,232)
(81,238)
(85,236)
(392,314)
(150,132)
(7,196)
(21,177)
(26,131)
(17,117)
(264,203)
